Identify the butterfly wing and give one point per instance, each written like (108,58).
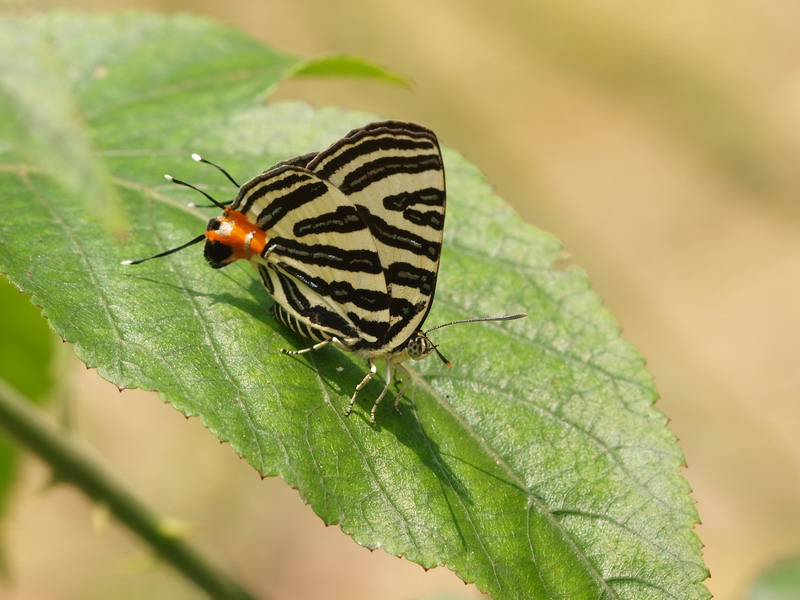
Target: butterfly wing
(320,262)
(392,173)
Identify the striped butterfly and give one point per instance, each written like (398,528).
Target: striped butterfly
(347,241)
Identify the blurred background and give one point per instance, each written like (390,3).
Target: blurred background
(659,141)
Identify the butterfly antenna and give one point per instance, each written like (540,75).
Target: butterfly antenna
(440,355)
(196,240)
(477,320)
(199,158)
(216,203)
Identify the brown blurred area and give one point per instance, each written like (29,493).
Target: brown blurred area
(659,141)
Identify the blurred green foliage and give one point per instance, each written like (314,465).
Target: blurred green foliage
(780,582)
(26,357)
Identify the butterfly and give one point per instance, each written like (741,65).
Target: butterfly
(348,242)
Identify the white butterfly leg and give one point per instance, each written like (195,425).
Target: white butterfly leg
(403,387)
(316,346)
(382,394)
(365,381)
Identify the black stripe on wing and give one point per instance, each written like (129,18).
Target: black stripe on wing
(341,292)
(369,173)
(336,158)
(396,127)
(345,219)
(406,311)
(401,273)
(266,280)
(407,203)
(293,298)
(297,325)
(427,196)
(429,218)
(400,238)
(317,315)
(324,255)
(284,204)
(374,329)
(256,188)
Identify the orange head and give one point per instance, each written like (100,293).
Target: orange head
(230,237)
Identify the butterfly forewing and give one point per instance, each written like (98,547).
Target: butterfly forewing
(393,174)
(321,263)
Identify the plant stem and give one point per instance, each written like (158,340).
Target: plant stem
(73,464)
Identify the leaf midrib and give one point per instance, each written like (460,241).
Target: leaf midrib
(419,380)
(365,459)
(533,500)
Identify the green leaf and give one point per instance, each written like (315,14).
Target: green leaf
(536,466)
(780,582)
(342,65)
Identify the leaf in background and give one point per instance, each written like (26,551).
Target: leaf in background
(347,66)
(536,466)
(780,582)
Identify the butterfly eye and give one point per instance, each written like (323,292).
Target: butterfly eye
(218,254)
(419,346)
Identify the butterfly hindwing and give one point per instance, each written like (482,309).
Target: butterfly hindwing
(393,174)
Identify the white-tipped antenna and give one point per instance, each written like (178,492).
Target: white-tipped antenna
(216,203)
(199,238)
(198,158)
(477,320)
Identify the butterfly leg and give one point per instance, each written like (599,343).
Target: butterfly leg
(382,394)
(316,346)
(365,381)
(403,387)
